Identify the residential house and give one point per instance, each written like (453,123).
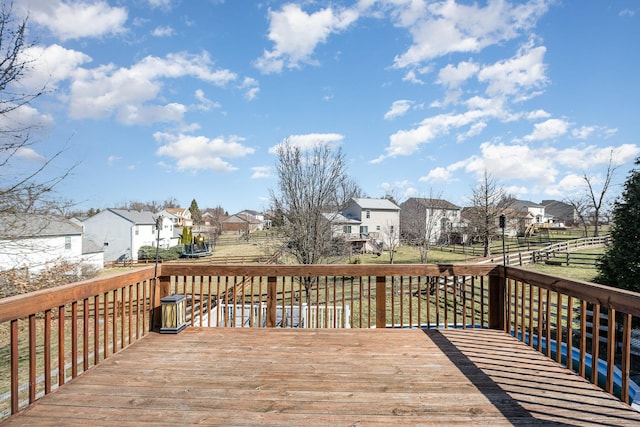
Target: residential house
(535,210)
(559,213)
(342,226)
(379,220)
(240,224)
(180,217)
(257,216)
(434,219)
(33,243)
(121,232)
(473,222)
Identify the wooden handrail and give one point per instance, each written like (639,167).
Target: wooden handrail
(19,306)
(614,298)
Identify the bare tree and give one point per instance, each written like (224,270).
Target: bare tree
(580,207)
(392,239)
(313,185)
(597,197)
(19,191)
(489,201)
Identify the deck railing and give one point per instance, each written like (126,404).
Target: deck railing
(54,335)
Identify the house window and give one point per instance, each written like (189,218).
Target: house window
(368,214)
(364,229)
(377,228)
(346,229)
(67,242)
(137,230)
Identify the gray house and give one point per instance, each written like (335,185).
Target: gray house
(559,212)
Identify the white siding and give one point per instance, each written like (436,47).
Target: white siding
(37,253)
(112,232)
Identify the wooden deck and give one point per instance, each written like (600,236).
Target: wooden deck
(328,377)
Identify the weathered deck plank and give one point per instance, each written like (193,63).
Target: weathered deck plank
(328,377)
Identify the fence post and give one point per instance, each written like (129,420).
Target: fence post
(272,301)
(161,289)
(497,300)
(381,302)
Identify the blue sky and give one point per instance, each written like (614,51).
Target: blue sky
(159,99)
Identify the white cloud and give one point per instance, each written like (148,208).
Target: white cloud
(160,4)
(549,129)
(441,28)
(143,114)
(629,13)
(105,90)
(25,117)
(50,65)
(398,108)
(453,76)
(261,172)
(571,182)
(411,77)
(251,88)
(520,76)
(438,174)
(519,162)
(547,170)
(296,34)
(309,141)
(75,20)
(193,153)
(407,142)
(205,104)
(111,160)
(537,114)
(29,154)
(163,31)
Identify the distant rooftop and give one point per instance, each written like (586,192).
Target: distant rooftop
(384,204)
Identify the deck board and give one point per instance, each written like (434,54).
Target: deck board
(228,376)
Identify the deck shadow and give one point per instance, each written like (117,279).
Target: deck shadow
(509,407)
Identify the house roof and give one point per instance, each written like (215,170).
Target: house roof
(241,218)
(136,217)
(378,204)
(32,225)
(435,203)
(524,204)
(338,218)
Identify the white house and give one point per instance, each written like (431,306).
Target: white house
(535,210)
(122,232)
(427,218)
(180,217)
(379,219)
(33,243)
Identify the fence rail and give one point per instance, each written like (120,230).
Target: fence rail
(542,254)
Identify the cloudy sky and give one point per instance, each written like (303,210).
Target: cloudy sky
(184,99)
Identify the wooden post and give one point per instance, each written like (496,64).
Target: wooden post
(272,301)
(497,301)
(381,302)
(162,288)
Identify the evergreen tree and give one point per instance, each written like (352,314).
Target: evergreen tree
(196,215)
(620,265)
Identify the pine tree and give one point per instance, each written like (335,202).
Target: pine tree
(196,215)
(620,265)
